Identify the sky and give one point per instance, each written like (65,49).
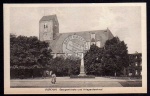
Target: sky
(122,21)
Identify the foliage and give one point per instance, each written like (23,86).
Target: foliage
(29,57)
(28,51)
(26,72)
(111,59)
(93,64)
(64,67)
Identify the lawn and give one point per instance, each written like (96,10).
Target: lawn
(131,84)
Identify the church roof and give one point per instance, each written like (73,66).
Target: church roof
(48,17)
(103,35)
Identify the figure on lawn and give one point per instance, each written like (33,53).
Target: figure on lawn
(53,78)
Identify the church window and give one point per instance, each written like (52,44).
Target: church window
(92,43)
(93,35)
(89,45)
(98,43)
(45,25)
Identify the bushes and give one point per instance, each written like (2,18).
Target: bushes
(59,65)
(64,67)
(25,72)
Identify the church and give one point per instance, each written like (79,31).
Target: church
(71,43)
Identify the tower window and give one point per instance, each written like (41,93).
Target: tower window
(45,25)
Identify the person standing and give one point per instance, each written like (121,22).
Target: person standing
(53,78)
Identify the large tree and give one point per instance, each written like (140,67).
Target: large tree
(116,54)
(112,59)
(92,58)
(28,51)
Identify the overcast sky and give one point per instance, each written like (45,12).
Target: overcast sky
(124,22)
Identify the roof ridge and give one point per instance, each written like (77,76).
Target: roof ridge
(48,17)
(84,31)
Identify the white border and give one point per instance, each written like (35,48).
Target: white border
(108,90)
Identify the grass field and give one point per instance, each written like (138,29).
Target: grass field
(76,82)
(131,84)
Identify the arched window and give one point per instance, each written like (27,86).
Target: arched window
(98,43)
(93,35)
(87,46)
(45,25)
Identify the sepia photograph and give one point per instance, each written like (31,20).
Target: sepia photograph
(75,48)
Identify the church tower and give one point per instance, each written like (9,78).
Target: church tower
(48,28)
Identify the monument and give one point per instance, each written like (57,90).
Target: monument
(82,71)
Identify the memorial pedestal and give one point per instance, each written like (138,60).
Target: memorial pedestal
(82,71)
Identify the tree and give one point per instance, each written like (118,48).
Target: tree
(93,64)
(28,51)
(64,66)
(110,60)
(117,54)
